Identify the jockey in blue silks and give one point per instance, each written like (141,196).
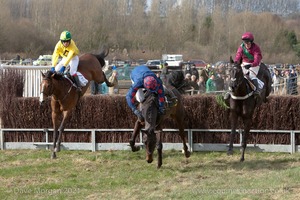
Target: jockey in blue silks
(143,77)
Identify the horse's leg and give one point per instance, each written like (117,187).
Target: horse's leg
(66,115)
(55,121)
(180,123)
(247,124)
(234,119)
(137,129)
(159,148)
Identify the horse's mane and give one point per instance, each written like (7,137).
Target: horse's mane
(101,56)
(56,76)
(177,80)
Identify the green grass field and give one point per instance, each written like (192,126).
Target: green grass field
(31,174)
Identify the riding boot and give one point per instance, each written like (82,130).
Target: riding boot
(77,83)
(257,92)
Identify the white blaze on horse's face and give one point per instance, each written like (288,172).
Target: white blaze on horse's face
(233,79)
(42,94)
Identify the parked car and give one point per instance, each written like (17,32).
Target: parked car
(154,64)
(43,60)
(198,63)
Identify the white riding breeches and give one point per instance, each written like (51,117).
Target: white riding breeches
(73,65)
(140,97)
(253,71)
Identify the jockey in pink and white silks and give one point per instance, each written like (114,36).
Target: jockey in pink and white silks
(249,55)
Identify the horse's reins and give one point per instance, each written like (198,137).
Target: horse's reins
(72,84)
(240,97)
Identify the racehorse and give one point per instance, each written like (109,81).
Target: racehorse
(64,92)
(153,125)
(243,102)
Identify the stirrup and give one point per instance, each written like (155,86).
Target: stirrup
(226,96)
(78,89)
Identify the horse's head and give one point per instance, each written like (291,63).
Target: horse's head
(150,113)
(46,86)
(236,75)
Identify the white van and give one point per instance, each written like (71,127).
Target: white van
(173,60)
(43,60)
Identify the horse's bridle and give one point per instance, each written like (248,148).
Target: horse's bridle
(233,79)
(52,90)
(43,92)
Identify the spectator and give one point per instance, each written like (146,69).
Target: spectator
(164,73)
(292,81)
(194,84)
(194,71)
(113,79)
(205,72)
(210,83)
(201,84)
(188,77)
(277,81)
(187,69)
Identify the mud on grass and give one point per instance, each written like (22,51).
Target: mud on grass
(31,174)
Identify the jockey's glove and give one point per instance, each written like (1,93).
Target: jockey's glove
(248,66)
(62,70)
(139,115)
(52,69)
(162,111)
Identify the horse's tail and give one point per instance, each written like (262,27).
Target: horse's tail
(100,57)
(109,84)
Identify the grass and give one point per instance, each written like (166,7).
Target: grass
(31,174)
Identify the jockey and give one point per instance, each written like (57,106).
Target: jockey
(143,77)
(67,49)
(249,55)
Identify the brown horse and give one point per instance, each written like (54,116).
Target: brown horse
(153,126)
(243,102)
(65,95)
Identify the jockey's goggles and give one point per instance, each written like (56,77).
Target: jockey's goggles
(64,41)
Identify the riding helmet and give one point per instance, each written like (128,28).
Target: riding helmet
(65,36)
(150,83)
(248,36)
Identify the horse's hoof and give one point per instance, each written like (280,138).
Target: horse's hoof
(159,166)
(242,160)
(149,160)
(53,156)
(187,154)
(229,153)
(135,148)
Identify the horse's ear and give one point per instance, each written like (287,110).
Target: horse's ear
(231,60)
(43,74)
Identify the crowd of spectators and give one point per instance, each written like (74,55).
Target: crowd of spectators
(215,79)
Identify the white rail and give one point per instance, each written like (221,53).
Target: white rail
(93,146)
(32,78)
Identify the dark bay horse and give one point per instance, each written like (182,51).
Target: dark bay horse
(153,125)
(243,102)
(64,92)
